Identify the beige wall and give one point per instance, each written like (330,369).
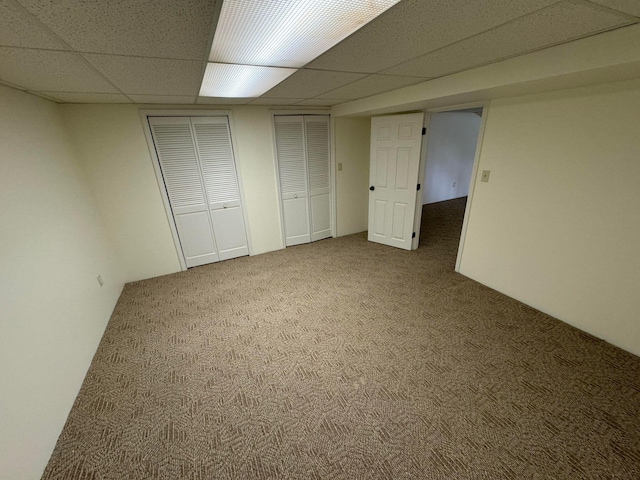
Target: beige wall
(256,160)
(111,145)
(557,225)
(114,152)
(52,310)
(352,139)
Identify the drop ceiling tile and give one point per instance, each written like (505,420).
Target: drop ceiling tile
(371,85)
(67,97)
(46,70)
(556,24)
(18,29)
(150,76)
(415,27)
(178,99)
(275,101)
(310,83)
(222,101)
(322,102)
(632,7)
(166,29)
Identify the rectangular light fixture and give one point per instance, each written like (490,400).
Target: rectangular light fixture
(282,33)
(240,81)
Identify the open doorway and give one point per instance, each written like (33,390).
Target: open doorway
(447,172)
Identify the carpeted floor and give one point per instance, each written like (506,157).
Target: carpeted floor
(345,359)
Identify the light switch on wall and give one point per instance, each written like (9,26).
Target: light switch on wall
(485,175)
(340,167)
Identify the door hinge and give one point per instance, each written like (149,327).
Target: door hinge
(413,235)
(424,130)
(418,186)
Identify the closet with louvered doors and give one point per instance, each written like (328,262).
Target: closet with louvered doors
(302,150)
(195,155)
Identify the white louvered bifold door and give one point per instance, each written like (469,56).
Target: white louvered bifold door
(176,153)
(213,143)
(292,169)
(317,142)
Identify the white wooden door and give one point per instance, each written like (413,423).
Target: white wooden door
(215,152)
(292,170)
(317,143)
(177,155)
(393,174)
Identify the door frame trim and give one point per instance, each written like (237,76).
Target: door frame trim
(181,112)
(476,161)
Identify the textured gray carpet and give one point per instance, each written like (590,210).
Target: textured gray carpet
(345,359)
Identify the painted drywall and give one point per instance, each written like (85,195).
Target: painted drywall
(607,57)
(557,224)
(450,152)
(114,152)
(112,149)
(352,138)
(256,161)
(52,309)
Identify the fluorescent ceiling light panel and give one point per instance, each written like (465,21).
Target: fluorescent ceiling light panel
(287,33)
(244,81)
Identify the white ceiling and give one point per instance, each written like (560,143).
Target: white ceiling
(155,51)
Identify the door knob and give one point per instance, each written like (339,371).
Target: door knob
(372,188)
(295,196)
(224,206)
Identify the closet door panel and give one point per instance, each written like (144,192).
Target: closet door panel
(228,224)
(296,219)
(317,146)
(196,240)
(292,170)
(213,141)
(180,170)
(320,217)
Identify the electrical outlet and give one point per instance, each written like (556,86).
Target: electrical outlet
(100,280)
(340,167)
(485,175)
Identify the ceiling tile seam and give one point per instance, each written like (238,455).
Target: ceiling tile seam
(254,65)
(374,94)
(87,52)
(212,33)
(366,75)
(328,99)
(26,90)
(599,32)
(95,69)
(20,47)
(254,99)
(46,97)
(13,85)
(26,13)
(46,28)
(474,35)
(363,78)
(30,92)
(369,73)
(606,9)
(100,93)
